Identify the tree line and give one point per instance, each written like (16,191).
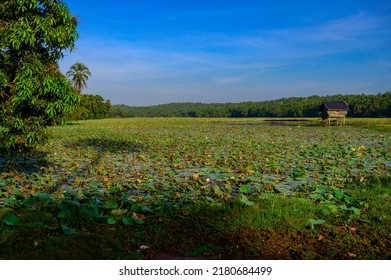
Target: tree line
(90,107)
(361,105)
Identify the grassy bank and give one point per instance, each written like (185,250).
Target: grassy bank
(276,227)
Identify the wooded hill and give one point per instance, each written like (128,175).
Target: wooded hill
(361,105)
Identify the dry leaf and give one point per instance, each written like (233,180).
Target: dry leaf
(321,237)
(352,255)
(138,216)
(353,229)
(18,178)
(361,148)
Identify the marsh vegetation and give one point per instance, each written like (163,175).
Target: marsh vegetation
(200,188)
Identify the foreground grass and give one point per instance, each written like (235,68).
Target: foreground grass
(200,189)
(276,227)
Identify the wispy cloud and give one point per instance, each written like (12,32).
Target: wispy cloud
(351,28)
(355,32)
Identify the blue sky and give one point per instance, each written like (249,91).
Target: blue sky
(145,52)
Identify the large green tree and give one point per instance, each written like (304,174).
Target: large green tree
(79,74)
(34,34)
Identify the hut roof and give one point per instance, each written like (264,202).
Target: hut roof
(335,105)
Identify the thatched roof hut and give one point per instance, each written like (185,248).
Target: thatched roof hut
(334,109)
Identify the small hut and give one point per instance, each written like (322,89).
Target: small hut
(334,109)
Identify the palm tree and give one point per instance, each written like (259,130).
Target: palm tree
(79,74)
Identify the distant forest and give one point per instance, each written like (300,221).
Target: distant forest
(361,105)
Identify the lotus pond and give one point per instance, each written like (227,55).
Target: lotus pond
(118,171)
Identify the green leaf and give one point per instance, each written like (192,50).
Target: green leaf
(111,221)
(217,191)
(356,213)
(316,196)
(127,221)
(333,208)
(64,214)
(338,194)
(30,201)
(51,228)
(89,211)
(138,221)
(62,206)
(343,207)
(136,208)
(245,189)
(44,197)
(350,200)
(17,193)
(10,219)
(244,200)
(314,222)
(146,209)
(67,231)
(110,204)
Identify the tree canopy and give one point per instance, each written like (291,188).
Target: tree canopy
(34,34)
(361,105)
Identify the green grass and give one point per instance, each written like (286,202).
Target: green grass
(377,124)
(278,212)
(202,189)
(275,228)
